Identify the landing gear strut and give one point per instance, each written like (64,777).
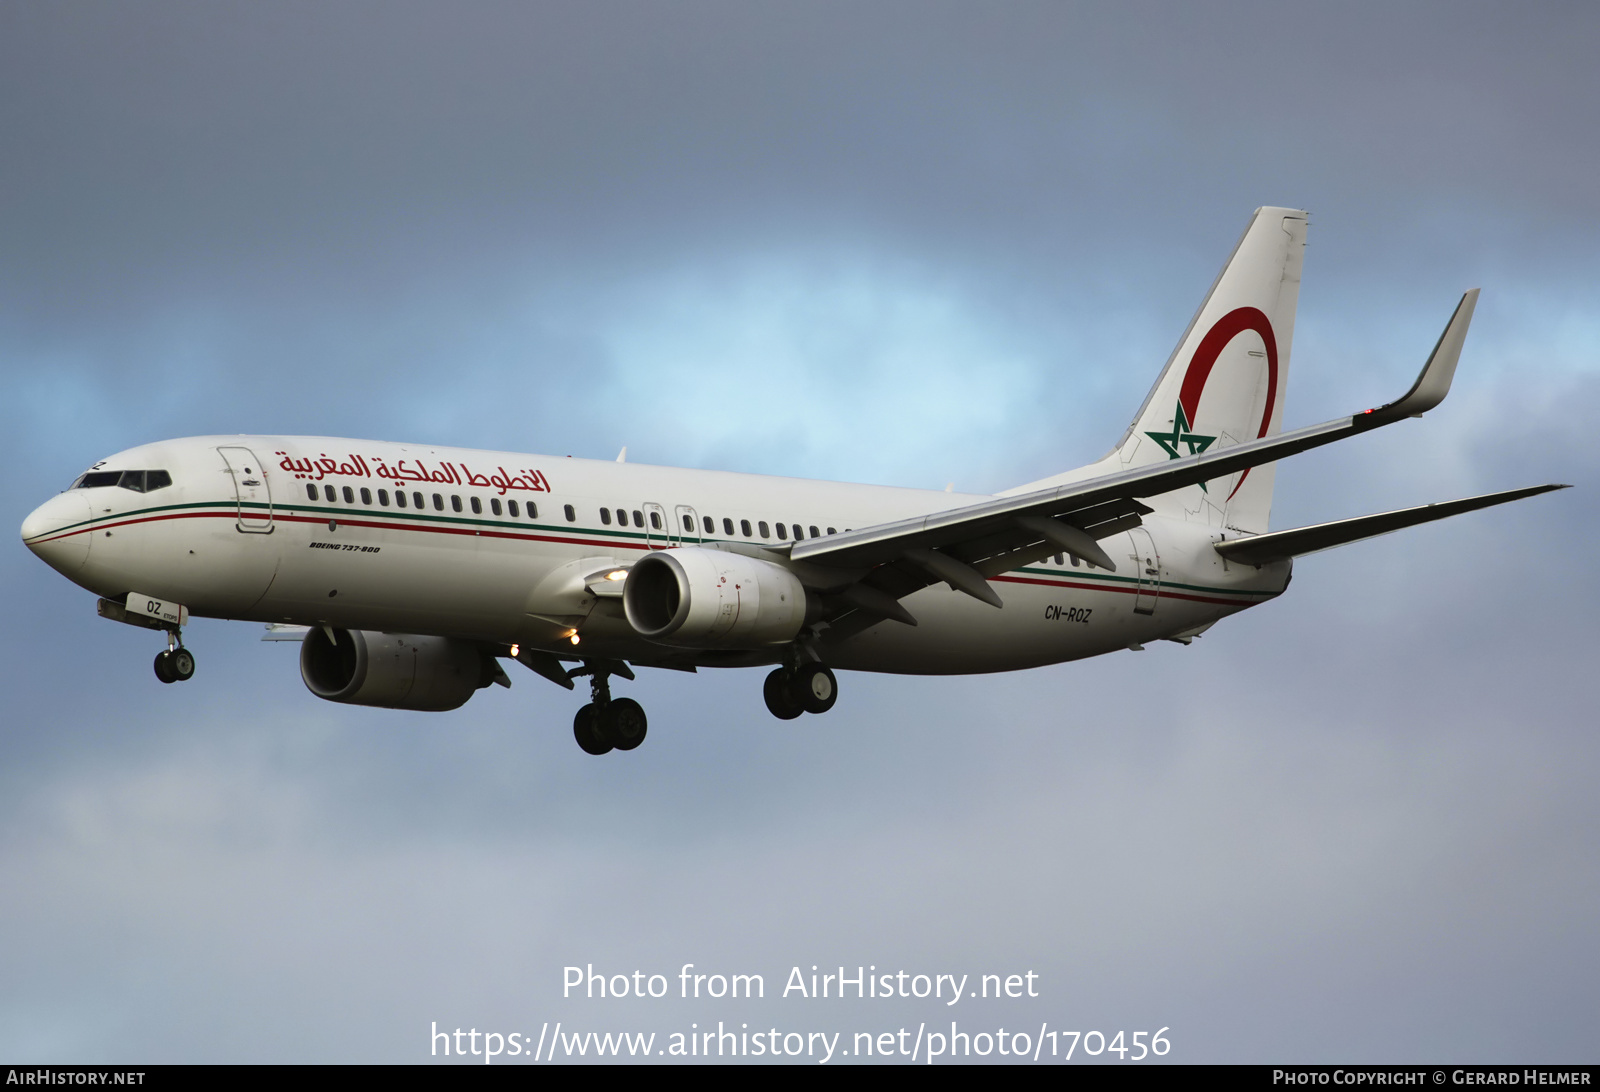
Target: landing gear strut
(606,723)
(176,664)
(805,688)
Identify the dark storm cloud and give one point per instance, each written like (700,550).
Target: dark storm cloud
(908,243)
(271,150)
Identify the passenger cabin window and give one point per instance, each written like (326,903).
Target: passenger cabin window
(494,505)
(438,503)
(311,491)
(511,506)
(831,531)
(328,494)
(383,497)
(744,526)
(709,524)
(655,520)
(727,527)
(783,532)
(416,501)
(605,516)
(572,516)
(455,503)
(366,495)
(638,518)
(477,506)
(688,523)
(762,527)
(349,495)
(533,510)
(814,531)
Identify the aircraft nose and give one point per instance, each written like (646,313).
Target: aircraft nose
(57,531)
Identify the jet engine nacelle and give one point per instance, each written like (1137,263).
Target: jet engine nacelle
(392,670)
(713,599)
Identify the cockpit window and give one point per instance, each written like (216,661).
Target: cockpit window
(140,481)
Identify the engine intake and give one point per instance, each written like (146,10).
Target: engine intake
(393,670)
(713,599)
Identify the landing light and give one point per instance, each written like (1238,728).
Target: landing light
(514,650)
(574,638)
(617,574)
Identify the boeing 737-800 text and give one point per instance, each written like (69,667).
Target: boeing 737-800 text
(409,571)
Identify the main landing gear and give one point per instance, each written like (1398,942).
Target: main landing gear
(806,688)
(607,723)
(176,664)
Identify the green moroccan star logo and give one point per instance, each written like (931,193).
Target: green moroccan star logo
(1181,434)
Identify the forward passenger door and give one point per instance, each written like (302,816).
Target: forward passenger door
(251,492)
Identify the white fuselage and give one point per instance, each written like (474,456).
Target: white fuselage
(311,531)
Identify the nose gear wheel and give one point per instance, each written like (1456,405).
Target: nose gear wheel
(175,664)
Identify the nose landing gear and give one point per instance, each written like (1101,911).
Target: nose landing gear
(176,664)
(607,724)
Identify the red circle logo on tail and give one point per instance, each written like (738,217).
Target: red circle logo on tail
(1223,331)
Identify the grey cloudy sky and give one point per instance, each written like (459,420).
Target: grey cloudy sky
(908,243)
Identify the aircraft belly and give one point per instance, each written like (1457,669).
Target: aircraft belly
(1040,624)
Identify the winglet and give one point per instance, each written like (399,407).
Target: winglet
(1434,381)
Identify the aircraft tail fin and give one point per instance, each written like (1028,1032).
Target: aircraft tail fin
(1225,382)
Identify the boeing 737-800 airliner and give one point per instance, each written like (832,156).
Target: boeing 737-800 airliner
(409,571)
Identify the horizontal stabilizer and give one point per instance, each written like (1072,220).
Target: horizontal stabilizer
(1322,536)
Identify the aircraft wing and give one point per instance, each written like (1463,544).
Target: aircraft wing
(965,546)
